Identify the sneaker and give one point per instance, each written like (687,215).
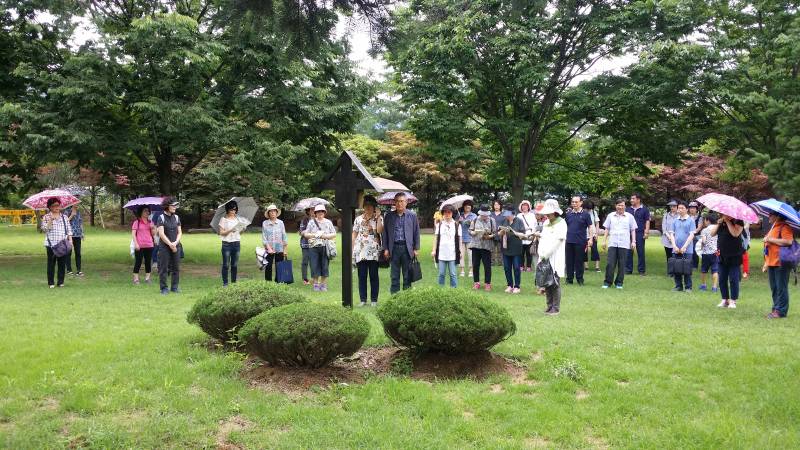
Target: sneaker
(52,286)
(597,269)
(476,286)
(488,287)
(60,285)
(508,290)
(703,287)
(135,281)
(745,275)
(373,304)
(547,311)
(774,315)
(677,289)
(688,290)
(553,312)
(147,281)
(732,304)
(316,287)
(713,289)
(362,304)
(69,272)
(605,286)
(323,287)
(164,291)
(723,304)
(462,273)
(619,286)
(80,274)
(515,291)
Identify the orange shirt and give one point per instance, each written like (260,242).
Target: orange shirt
(778,231)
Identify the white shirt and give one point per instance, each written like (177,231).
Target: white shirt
(447,232)
(233,236)
(619,228)
(552,244)
(529,220)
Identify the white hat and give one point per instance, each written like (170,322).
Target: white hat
(550,207)
(320,208)
(271,207)
(524,202)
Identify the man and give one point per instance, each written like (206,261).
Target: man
(641,214)
(621,226)
(681,236)
(168,226)
(400,240)
(666,224)
(578,221)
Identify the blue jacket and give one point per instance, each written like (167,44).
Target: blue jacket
(411,231)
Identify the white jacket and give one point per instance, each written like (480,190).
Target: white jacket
(552,244)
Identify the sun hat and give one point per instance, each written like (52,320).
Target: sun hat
(524,202)
(484,210)
(550,207)
(271,207)
(320,208)
(169,201)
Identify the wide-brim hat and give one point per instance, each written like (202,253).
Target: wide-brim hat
(273,206)
(484,211)
(320,208)
(672,203)
(551,207)
(525,202)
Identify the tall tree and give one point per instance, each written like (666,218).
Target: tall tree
(497,70)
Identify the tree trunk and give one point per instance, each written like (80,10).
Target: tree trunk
(121,210)
(92,204)
(199,216)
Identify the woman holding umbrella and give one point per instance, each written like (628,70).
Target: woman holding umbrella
(729,242)
(57,229)
(229,231)
(783,219)
(142,231)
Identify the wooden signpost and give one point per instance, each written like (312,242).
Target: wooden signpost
(348,179)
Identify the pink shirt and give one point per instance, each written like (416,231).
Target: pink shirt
(144,236)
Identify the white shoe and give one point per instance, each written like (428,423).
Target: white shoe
(508,290)
(462,274)
(732,304)
(363,304)
(723,304)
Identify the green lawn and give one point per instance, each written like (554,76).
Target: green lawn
(104,364)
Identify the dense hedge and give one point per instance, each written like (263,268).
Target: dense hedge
(222,312)
(305,334)
(447,320)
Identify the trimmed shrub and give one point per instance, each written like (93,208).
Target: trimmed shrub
(222,312)
(305,334)
(446,320)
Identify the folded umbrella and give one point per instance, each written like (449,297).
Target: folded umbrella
(247,211)
(770,206)
(456,202)
(388,198)
(729,206)
(39,201)
(310,202)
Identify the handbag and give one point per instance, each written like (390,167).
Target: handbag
(415,270)
(62,247)
(545,276)
(330,246)
(283,272)
(679,265)
(790,256)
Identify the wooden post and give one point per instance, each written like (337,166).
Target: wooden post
(121,210)
(345,197)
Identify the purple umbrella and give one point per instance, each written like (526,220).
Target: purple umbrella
(388,198)
(154,203)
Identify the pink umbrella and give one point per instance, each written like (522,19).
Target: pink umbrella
(729,206)
(39,201)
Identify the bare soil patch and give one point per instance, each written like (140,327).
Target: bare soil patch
(377,361)
(228,426)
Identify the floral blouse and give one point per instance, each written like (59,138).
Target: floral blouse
(367,245)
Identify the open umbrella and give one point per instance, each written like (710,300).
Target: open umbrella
(39,201)
(310,202)
(388,198)
(729,206)
(767,207)
(457,202)
(154,203)
(247,210)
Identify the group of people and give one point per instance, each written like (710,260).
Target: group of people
(518,238)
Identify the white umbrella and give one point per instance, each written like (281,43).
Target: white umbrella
(310,202)
(457,201)
(247,211)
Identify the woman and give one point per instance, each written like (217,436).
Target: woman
(729,243)
(304,244)
(592,254)
(168,227)
(320,234)
(142,233)
(780,235)
(76,223)
(497,216)
(465,220)
(529,220)
(57,229)
(229,231)
(367,231)
(511,233)
(552,247)
(447,245)
(275,240)
(483,231)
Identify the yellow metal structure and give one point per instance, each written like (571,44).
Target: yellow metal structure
(17,215)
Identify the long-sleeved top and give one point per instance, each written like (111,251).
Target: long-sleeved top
(410,227)
(76,222)
(274,235)
(466,221)
(529,220)
(666,224)
(511,244)
(56,230)
(478,229)
(301,229)
(552,244)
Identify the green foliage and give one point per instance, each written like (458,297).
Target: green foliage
(221,312)
(567,368)
(435,319)
(305,334)
(402,365)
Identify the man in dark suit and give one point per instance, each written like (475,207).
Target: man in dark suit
(400,241)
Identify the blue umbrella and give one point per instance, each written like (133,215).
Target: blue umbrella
(772,206)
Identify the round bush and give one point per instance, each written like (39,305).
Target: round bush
(305,334)
(222,312)
(446,320)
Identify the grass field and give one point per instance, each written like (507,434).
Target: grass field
(105,364)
